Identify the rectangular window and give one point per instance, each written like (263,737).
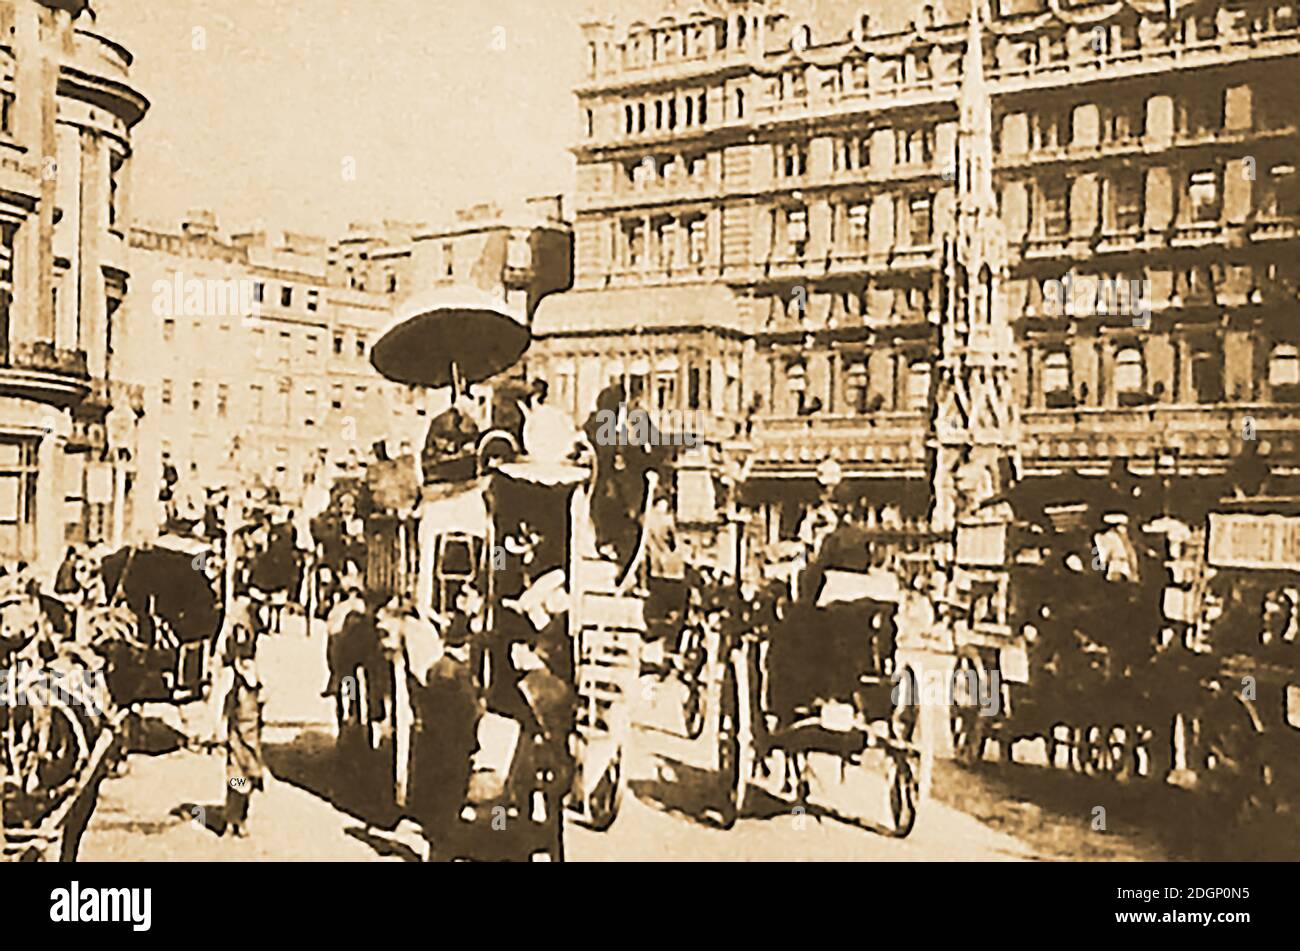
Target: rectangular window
(1123,122)
(1053,208)
(918,146)
(313,299)
(634,243)
(919,221)
(284,397)
(1124,200)
(255,397)
(857,385)
(697,237)
(792,159)
(361,346)
(1200,111)
(336,395)
(796,231)
(114,191)
(286,296)
(6,112)
(259,291)
(1207,372)
(1057,390)
(223,399)
(169,330)
(1052,128)
(338,344)
(858,226)
(1203,196)
(166,392)
(18,470)
(196,396)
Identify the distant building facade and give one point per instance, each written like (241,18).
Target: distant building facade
(765,187)
(68,427)
(253,351)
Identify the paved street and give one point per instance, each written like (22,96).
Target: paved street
(168,805)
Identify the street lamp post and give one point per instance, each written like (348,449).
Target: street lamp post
(737,462)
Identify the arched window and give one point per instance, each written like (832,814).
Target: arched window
(856,380)
(796,384)
(918,385)
(1056,372)
(1284,368)
(1129,372)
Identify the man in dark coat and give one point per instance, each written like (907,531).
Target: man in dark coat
(447,713)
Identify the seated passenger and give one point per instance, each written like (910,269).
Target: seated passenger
(452,436)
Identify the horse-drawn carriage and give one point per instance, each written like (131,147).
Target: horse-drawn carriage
(73,673)
(822,679)
(496,548)
(1059,641)
(1246,746)
(475,552)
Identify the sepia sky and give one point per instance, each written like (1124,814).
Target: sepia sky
(259,124)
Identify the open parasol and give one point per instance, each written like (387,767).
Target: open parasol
(450,337)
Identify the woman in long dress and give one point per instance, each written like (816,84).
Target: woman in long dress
(242,713)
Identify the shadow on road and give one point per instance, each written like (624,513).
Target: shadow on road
(352,778)
(694,794)
(1054,811)
(383,845)
(212,816)
(680,789)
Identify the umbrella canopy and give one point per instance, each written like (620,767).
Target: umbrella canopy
(169,575)
(460,327)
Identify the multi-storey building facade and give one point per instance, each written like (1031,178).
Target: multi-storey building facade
(68,448)
(254,352)
(765,186)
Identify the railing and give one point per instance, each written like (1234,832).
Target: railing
(46,357)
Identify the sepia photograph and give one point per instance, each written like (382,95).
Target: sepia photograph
(601,431)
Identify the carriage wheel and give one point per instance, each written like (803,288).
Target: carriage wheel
(1238,774)
(1121,751)
(969,731)
(1093,752)
(693,709)
(905,713)
(1053,742)
(903,785)
(604,801)
(46,749)
(735,754)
